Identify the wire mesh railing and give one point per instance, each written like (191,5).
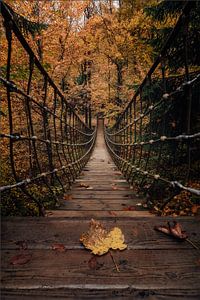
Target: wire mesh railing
(44,143)
(155,141)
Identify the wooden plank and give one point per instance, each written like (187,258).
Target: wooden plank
(139,232)
(85,192)
(90,194)
(97,188)
(101,176)
(100,188)
(99,204)
(96,292)
(98,171)
(102,181)
(109,183)
(98,166)
(139,269)
(89,214)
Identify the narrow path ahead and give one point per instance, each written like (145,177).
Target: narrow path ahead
(154,266)
(101,188)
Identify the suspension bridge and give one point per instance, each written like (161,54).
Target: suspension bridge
(91,170)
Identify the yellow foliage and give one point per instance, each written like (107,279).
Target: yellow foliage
(105,38)
(100,241)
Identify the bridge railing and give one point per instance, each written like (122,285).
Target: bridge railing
(155,141)
(44,143)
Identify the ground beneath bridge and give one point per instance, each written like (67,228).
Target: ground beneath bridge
(153,266)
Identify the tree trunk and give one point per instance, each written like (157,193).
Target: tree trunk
(119,82)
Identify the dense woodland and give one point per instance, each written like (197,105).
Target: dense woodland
(97,52)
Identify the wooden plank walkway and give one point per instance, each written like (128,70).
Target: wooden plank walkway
(153,266)
(101,187)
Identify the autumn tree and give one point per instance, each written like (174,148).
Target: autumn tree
(94,49)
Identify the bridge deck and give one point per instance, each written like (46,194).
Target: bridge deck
(153,267)
(101,187)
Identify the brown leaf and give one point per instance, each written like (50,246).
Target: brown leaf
(84,185)
(175,230)
(195,208)
(163,229)
(112,213)
(114,187)
(59,247)
(50,213)
(89,188)
(118,173)
(129,208)
(20,259)
(67,197)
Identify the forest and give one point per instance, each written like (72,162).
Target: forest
(97,52)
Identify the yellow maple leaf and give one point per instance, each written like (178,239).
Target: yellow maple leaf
(100,241)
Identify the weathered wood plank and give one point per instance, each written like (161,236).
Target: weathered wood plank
(99,204)
(139,232)
(97,188)
(102,185)
(90,194)
(101,181)
(114,193)
(108,292)
(89,214)
(103,177)
(140,269)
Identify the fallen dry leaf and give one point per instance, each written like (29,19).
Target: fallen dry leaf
(67,197)
(112,213)
(50,213)
(84,185)
(89,188)
(100,241)
(175,230)
(118,173)
(195,209)
(20,259)
(58,247)
(129,208)
(114,187)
